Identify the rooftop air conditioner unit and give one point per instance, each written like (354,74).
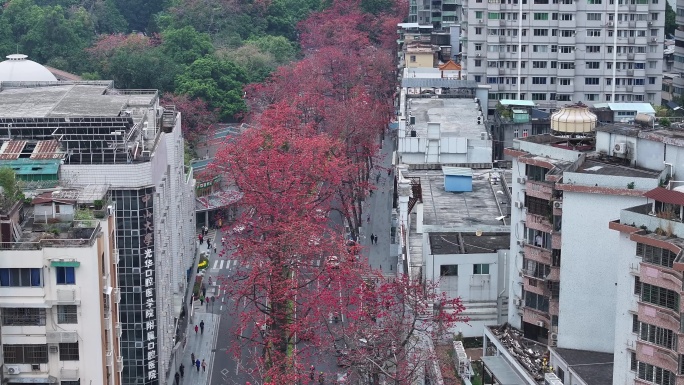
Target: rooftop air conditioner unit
(13,370)
(620,148)
(519,205)
(522,180)
(517,302)
(557,205)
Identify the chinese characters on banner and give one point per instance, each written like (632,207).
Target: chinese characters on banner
(149,297)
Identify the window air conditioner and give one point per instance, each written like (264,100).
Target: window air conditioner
(541,324)
(522,180)
(557,205)
(13,370)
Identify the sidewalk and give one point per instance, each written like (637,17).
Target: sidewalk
(379,208)
(200,344)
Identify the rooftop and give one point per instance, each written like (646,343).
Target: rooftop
(40,224)
(529,354)
(640,108)
(437,83)
(457,117)
(594,368)
(466,211)
(468,243)
(592,166)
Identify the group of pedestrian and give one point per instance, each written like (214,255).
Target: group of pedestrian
(180,373)
(200,327)
(312,375)
(374,239)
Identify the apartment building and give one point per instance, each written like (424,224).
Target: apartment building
(126,140)
(678,56)
(441,14)
(555,52)
(58,289)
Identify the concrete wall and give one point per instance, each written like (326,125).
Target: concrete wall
(625,306)
(515,260)
(479,293)
(88,297)
(423,59)
(588,291)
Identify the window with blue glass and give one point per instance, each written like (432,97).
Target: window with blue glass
(66,275)
(20,277)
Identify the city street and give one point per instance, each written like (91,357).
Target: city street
(216,345)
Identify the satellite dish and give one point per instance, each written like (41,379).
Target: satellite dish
(478,233)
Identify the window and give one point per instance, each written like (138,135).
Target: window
(448,270)
(540,32)
(75,382)
(535,173)
(66,314)
(567,33)
(654,16)
(593,17)
(655,255)
(538,96)
(593,1)
(591,81)
(556,257)
(564,97)
(535,269)
(481,268)
(632,361)
(23,316)
(68,351)
(25,354)
(538,80)
(66,275)
(637,285)
(536,301)
(655,374)
(478,30)
(593,65)
(659,336)
(635,323)
(541,16)
(659,296)
(537,206)
(539,64)
(554,288)
(478,63)
(478,47)
(413,58)
(567,49)
(479,14)
(566,16)
(591,97)
(17,277)
(540,48)
(594,32)
(593,49)
(493,16)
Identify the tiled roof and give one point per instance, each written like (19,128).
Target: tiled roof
(666,196)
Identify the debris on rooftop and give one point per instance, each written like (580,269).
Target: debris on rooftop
(531,355)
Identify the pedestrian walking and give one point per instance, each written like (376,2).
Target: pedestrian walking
(196,330)
(377,178)
(209,281)
(368,219)
(202,300)
(223,240)
(321,379)
(313,373)
(375,240)
(208,244)
(192,356)
(182,370)
(389,171)
(204,292)
(206,230)
(208,302)
(202,325)
(214,249)
(197,363)
(204,366)
(372,238)
(371,192)
(177,378)
(201,238)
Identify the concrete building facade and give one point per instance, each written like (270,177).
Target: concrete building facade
(126,140)
(59,298)
(562,51)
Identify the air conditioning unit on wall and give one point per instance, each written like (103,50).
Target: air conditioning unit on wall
(13,369)
(557,205)
(620,148)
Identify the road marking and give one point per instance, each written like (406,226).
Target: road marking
(216,263)
(221,308)
(222,261)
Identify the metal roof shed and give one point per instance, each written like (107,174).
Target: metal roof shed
(458,179)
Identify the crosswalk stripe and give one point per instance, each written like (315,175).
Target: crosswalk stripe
(222,261)
(215,263)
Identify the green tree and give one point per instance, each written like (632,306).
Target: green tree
(217,81)
(107,17)
(139,13)
(670,20)
(185,45)
(377,7)
(147,68)
(283,50)
(283,16)
(257,63)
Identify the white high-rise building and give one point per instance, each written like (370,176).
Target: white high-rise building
(123,139)
(555,52)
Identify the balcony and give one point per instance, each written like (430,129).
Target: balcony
(538,222)
(656,315)
(656,355)
(538,254)
(566,56)
(537,189)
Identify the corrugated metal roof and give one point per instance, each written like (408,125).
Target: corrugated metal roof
(640,108)
(664,195)
(513,102)
(437,83)
(47,149)
(12,149)
(457,171)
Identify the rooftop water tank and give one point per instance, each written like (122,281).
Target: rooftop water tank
(573,119)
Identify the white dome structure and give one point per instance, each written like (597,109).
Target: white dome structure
(17,68)
(573,119)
